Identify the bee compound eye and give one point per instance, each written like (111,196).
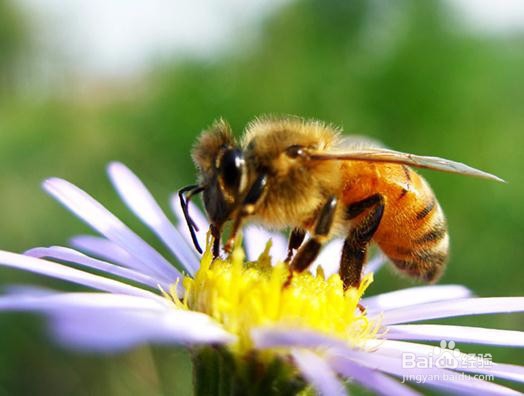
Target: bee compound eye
(231,168)
(295,151)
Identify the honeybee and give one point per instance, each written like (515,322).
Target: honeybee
(306,176)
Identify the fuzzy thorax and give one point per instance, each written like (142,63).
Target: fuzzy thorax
(245,295)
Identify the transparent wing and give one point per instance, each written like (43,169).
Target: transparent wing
(356,143)
(378,154)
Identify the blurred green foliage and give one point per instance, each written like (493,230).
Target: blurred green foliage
(14,39)
(408,74)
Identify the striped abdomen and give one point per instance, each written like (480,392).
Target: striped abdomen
(414,232)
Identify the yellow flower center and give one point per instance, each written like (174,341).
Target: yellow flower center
(244,295)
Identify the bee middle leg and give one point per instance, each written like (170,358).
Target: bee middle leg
(356,244)
(215,233)
(309,251)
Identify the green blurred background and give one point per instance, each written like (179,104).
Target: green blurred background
(413,74)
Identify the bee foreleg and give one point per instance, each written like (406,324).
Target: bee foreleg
(295,240)
(356,244)
(309,251)
(256,191)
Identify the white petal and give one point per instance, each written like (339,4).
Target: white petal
(138,198)
(98,217)
(60,271)
(476,335)
(317,372)
(72,256)
(414,296)
(375,263)
(329,257)
(255,239)
(446,309)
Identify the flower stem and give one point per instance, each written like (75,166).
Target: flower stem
(216,371)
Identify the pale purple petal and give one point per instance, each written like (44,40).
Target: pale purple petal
(445,309)
(371,379)
(138,198)
(113,331)
(456,359)
(55,301)
(72,256)
(414,296)
(275,337)
(329,257)
(476,335)
(435,377)
(383,355)
(109,322)
(54,270)
(507,371)
(110,332)
(271,337)
(26,290)
(317,372)
(98,217)
(106,250)
(255,239)
(197,216)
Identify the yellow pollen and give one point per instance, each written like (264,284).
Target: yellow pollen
(245,295)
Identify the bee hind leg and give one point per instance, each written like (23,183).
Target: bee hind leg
(356,244)
(295,240)
(309,251)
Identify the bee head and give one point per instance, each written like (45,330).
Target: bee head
(222,171)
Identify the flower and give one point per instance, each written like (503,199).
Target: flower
(231,312)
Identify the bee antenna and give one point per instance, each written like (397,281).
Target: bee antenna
(184,203)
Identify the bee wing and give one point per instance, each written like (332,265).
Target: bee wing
(357,142)
(377,154)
